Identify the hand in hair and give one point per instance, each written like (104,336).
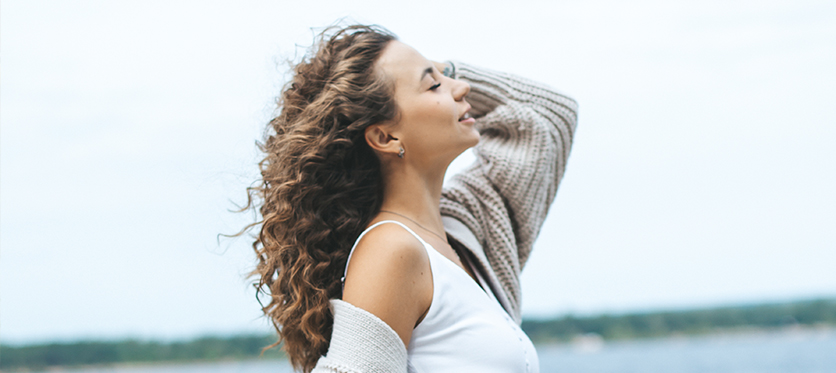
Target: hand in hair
(441,66)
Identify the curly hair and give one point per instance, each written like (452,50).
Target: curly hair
(320,184)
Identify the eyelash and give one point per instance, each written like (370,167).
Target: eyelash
(433,88)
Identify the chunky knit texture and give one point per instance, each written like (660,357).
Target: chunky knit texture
(357,332)
(494,208)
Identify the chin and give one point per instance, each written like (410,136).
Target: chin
(469,143)
(475,139)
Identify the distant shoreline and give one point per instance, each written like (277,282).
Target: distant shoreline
(583,347)
(589,332)
(820,312)
(594,341)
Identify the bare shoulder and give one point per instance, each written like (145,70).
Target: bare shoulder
(389,276)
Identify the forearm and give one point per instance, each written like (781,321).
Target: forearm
(490,89)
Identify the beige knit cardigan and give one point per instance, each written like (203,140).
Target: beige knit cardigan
(494,208)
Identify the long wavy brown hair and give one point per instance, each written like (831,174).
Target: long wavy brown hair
(320,184)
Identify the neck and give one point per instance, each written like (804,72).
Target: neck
(414,194)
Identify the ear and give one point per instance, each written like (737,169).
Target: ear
(381,140)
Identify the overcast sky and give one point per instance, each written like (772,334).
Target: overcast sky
(703,170)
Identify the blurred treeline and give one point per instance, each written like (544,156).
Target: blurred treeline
(36,357)
(637,325)
(687,322)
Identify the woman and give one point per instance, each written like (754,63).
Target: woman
(354,170)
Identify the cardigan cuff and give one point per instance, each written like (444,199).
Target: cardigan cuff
(361,342)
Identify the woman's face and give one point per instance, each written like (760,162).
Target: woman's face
(431,107)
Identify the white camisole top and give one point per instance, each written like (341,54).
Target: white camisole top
(465,328)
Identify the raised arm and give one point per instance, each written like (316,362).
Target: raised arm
(503,198)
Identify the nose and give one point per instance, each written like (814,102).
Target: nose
(460,89)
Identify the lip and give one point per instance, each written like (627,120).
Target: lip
(468,120)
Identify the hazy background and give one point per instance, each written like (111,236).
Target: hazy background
(703,170)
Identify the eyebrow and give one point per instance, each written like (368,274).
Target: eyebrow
(426,71)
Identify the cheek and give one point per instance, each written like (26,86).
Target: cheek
(432,112)
(429,112)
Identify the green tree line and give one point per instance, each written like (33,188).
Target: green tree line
(634,325)
(41,356)
(690,322)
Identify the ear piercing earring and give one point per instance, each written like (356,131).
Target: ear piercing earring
(400,153)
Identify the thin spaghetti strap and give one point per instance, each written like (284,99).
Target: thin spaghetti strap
(350,253)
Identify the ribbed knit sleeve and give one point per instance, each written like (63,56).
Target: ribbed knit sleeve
(361,343)
(526,134)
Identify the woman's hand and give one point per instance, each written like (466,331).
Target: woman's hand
(444,68)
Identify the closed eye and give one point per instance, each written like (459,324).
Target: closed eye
(435,86)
